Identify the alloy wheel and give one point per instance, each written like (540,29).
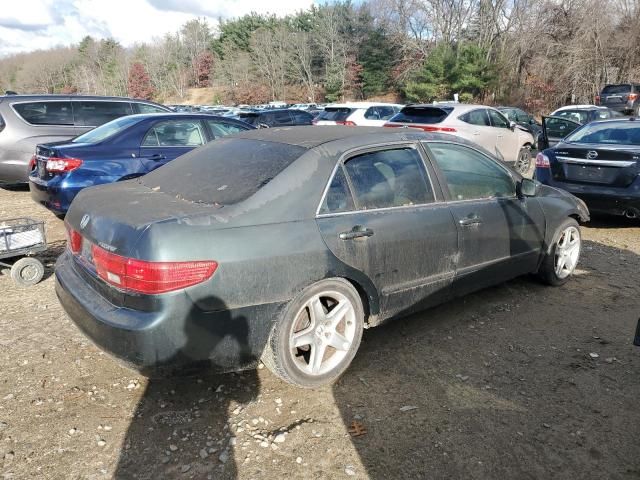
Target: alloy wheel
(567,252)
(323,333)
(524,162)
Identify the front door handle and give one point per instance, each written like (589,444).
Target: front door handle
(356,232)
(156,157)
(470,220)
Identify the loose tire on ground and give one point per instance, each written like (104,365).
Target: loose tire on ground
(317,336)
(566,247)
(27,271)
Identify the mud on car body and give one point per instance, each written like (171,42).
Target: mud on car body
(282,244)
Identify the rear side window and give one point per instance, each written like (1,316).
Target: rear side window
(250,118)
(338,198)
(469,174)
(175,133)
(388,178)
(335,114)
(379,113)
(283,118)
(302,118)
(146,108)
(476,117)
(93,114)
(613,89)
(45,113)
(223,172)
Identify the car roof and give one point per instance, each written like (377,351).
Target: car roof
(457,107)
(581,107)
(56,96)
(362,105)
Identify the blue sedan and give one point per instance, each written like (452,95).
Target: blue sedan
(122,149)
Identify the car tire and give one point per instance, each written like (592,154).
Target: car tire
(523,162)
(308,346)
(563,254)
(27,271)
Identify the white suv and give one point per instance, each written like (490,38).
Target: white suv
(363,114)
(480,124)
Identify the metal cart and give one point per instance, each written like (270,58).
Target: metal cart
(23,237)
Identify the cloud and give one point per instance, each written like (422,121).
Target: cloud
(27,25)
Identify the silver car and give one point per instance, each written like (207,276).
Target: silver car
(27,120)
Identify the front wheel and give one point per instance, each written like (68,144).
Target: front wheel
(318,335)
(562,258)
(523,163)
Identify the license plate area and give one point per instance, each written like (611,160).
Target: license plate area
(86,253)
(590,174)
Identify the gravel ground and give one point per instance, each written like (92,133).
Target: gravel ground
(518,381)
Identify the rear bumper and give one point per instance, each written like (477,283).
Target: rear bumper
(52,196)
(620,107)
(176,335)
(599,199)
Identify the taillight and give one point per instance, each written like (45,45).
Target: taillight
(432,128)
(542,161)
(348,123)
(32,163)
(74,239)
(150,278)
(59,165)
(597,100)
(633,96)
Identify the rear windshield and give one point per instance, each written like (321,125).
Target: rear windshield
(224,172)
(610,89)
(107,130)
(422,114)
(335,114)
(614,133)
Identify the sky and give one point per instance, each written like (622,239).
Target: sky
(27,25)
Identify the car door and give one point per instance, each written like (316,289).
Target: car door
(168,139)
(507,140)
(500,234)
(382,216)
(555,129)
(480,130)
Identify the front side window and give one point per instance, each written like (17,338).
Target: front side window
(338,197)
(45,113)
(498,120)
(93,114)
(282,118)
(302,117)
(389,178)
(335,114)
(175,133)
(477,117)
(471,175)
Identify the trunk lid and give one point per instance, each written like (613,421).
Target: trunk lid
(615,95)
(593,164)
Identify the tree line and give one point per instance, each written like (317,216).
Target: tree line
(533,53)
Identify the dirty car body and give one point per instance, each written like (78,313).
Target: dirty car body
(261,216)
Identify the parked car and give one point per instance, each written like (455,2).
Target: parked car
(524,120)
(27,120)
(483,125)
(362,114)
(275,117)
(622,97)
(565,120)
(283,244)
(119,150)
(599,163)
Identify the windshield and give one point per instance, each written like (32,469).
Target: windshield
(422,114)
(223,172)
(107,130)
(613,133)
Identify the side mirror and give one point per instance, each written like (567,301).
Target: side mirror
(527,188)
(512,125)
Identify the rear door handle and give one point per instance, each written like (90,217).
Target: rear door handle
(470,220)
(356,232)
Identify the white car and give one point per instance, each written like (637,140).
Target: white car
(480,124)
(362,114)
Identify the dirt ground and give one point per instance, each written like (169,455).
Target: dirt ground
(520,381)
